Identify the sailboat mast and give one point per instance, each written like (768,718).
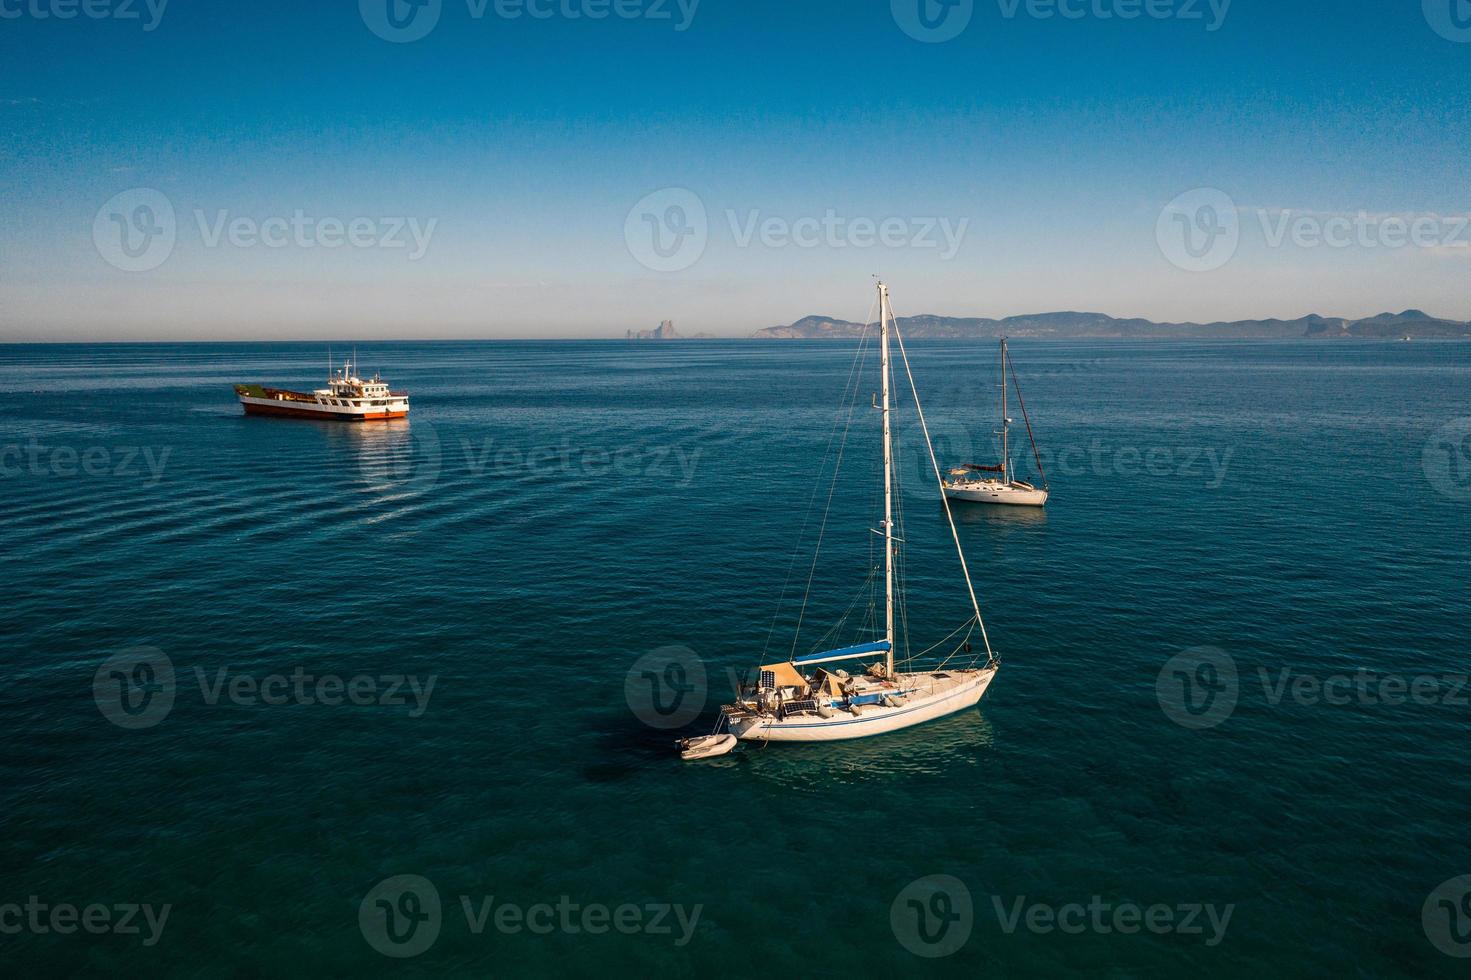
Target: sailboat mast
(884,315)
(1005,423)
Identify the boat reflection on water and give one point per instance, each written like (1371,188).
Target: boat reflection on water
(935,747)
(1001,518)
(391,457)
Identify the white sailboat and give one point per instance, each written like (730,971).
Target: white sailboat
(974,484)
(789,704)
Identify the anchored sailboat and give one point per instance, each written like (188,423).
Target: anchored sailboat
(976,484)
(789,704)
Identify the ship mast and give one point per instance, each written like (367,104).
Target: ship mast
(1005,423)
(884,315)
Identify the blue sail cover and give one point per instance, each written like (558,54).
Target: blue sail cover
(846,653)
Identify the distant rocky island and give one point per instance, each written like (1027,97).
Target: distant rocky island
(1411,324)
(665,331)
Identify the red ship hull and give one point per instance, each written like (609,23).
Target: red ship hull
(308,413)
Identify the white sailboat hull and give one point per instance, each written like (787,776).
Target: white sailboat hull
(996,492)
(927,697)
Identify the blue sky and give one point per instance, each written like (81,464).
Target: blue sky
(1022,165)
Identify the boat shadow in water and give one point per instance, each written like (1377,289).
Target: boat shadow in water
(626,746)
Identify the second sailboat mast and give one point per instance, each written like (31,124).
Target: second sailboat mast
(1005,422)
(884,315)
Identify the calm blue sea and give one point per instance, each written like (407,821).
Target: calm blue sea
(1229,738)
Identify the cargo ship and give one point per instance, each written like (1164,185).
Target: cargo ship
(347,398)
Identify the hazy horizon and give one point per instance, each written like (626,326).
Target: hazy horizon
(685,333)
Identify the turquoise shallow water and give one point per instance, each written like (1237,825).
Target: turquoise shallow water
(554,512)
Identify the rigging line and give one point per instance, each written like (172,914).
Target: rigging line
(837,627)
(827,509)
(967,625)
(852,382)
(959,646)
(1025,418)
(940,480)
(816,486)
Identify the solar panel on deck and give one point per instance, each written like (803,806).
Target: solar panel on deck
(768,680)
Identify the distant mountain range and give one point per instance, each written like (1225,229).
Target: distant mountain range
(1066,326)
